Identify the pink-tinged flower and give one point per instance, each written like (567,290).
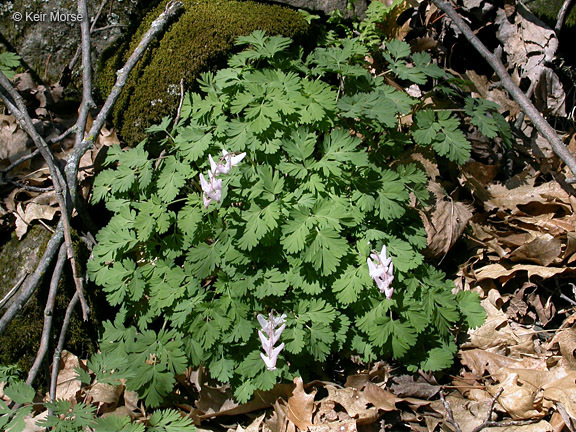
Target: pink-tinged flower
(381,269)
(269,335)
(211,190)
(227,162)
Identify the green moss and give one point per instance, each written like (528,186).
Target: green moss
(548,11)
(200,39)
(20,340)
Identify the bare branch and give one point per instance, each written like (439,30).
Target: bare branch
(519,97)
(449,413)
(122,75)
(60,346)
(87,102)
(48,311)
(17,107)
(562,15)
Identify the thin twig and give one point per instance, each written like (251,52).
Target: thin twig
(8,296)
(562,15)
(519,97)
(19,161)
(490,411)
(568,299)
(48,314)
(72,63)
(17,107)
(179,110)
(60,346)
(35,278)
(449,412)
(50,142)
(28,187)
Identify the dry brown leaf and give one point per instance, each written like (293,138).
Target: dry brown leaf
(31,425)
(484,87)
(380,398)
(507,198)
(278,422)
(445,225)
(354,402)
(564,392)
(252,427)
(105,394)
(337,426)
(300,405)
(567,342)
(480,361)
(216,402)
(503,273)
(406,386)
(494,333)
(519,401)
(543,250)
(122,411)
(68,384)
(43,206)
(14,140)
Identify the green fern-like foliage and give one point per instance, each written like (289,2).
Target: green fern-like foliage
(297,220)
(200,39)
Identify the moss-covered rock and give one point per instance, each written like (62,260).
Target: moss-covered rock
(200,39)
(20,340)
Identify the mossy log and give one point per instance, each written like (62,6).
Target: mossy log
(199,40)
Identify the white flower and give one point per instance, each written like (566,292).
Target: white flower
(212,190)
(269,335)
(381,269)
(227,162)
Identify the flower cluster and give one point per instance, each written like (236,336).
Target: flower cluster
(212,188)
(381,270)
(270,355)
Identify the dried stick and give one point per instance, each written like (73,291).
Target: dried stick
(72,63)
(17,107)
(449,412)
(513,90)
(562,15)
(35,278)
(60,346)
(35,152)
(87,102)
(48,310)
(534,84)
(10,294)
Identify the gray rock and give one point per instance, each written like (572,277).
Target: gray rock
(47,34)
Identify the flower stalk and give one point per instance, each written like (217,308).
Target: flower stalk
(269,335)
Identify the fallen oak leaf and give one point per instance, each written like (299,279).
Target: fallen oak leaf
(300,406)
(354,402)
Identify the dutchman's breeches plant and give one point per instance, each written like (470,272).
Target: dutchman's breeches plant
(262,262)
